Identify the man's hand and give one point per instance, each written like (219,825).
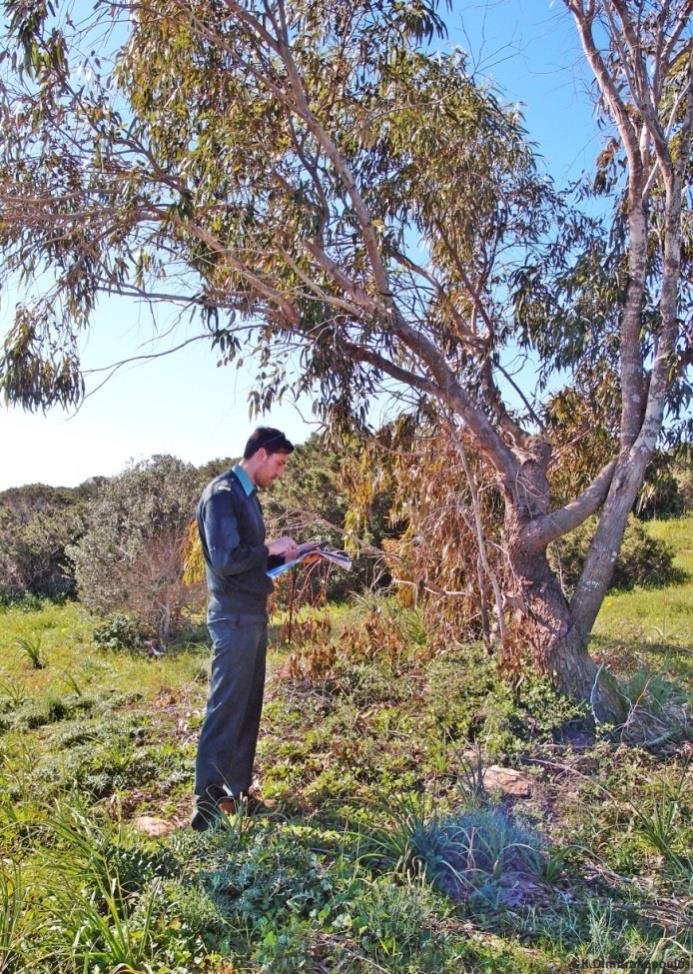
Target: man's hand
(309,546)
(284,546)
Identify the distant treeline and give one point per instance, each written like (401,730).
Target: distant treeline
(121,544)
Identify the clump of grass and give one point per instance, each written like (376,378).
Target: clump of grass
(72,684)
(14,695)
(48,708)
(402,842)
(12,914)
(119,632)
(661,824)
(485,854)
(102,905)
(31,647)
(92,933)
(658,711)
(479,852)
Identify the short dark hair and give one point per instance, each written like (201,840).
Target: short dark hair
(266,438)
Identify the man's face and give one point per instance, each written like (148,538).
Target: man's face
(271,466)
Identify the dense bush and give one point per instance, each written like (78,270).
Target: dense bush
(309,502)
(37,523)
(668,487)
(642,560)
(130,558)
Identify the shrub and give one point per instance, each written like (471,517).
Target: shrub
(542,713)
(130,559)
(666,491)
(642,560)
(480,852)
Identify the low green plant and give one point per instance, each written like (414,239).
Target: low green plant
(658,710)
(72,683)
(653,690)
(401,843)
(275,873)
(661,824)
(48,708)
(467,701)
(103,855)
(195,910)
(23,602)
(462,690)
(545,714)
(119,632)
(396,926)
(91,933)
(603,944)
(109,755)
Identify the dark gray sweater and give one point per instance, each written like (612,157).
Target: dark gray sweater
(232,532)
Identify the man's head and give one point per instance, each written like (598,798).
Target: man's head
(265,455)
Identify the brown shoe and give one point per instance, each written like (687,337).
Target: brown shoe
(229,806)
(247,804)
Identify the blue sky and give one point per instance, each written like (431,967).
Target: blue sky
(183,404)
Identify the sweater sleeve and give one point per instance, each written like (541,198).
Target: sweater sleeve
(226,553)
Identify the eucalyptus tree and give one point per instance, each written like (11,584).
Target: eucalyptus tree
(323,185)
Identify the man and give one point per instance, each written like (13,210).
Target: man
(232,533)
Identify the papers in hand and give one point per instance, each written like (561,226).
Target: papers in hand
(315,551)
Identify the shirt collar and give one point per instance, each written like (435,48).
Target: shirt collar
(245,481)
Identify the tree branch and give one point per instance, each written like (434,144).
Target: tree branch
(378,361)
(266,290)
(628,133)
(543,530)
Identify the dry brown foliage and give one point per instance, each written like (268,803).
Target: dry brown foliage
(447,558)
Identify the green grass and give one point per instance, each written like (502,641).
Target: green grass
(385,851)
(652,628)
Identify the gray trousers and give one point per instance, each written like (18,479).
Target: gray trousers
(226,750)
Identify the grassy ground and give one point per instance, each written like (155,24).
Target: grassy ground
(653,628)
(426,818)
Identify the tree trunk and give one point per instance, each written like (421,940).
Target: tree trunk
(601,557)
(543,621)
